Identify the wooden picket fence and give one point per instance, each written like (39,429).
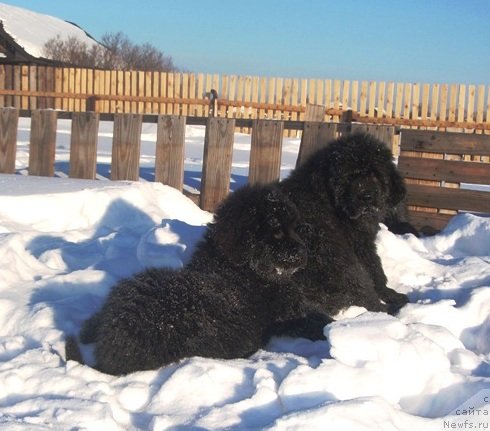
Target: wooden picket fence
(265,150)
(434,164)
(460,107)
(444,173)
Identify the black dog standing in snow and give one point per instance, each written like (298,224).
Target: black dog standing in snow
(343,192)
(225,303)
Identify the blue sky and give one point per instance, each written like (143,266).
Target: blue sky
(445,41)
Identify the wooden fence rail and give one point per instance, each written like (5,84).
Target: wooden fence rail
(434,164)
(465,107)
(441,171)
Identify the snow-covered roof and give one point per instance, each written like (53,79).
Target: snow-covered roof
(31,30)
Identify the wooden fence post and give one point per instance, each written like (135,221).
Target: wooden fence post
(385,134)
(126,145)
(42,143)
(314,112)
(316,133)
(265,152)
(9,120)
(218,151)
(169,157)
(83,146)
(315,136)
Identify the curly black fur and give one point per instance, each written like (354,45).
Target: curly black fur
(343,192)
(232,296)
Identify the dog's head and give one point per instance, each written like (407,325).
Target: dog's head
(358,175)
(255,227)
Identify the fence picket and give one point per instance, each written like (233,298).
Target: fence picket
(33,86)
(399,100)
(83,145)
(390,94)
(453,97)
(380,106)
(470,110)
(315,136)
(480,106)
(169,156)
(42,143)
(216,172)
(9,119)
(3,84)
(424,113)
(265,152)
(372,98)
(126,147)
(336,97)
(328,98)
(363,98)
(354,99)
(456,106)
(415,110)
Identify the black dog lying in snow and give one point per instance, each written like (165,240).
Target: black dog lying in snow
(232,296)
(343,192)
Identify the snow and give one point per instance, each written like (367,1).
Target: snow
(32,30)
(64,243)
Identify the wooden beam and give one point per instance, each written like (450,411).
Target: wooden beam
(126,145)
(426,222)
(169,157)
(315,136)
(9,120)
(265,152)
(83,146)
(444,142)
(448,198)
(444,170)
(42,144)
(218,151)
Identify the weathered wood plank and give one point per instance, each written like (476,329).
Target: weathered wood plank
(315,136)
(440,142)
(314,112)
(126,145)
(83,145)
(384,133)
(444,170)
(42,144)
(3,84)
(265,152)
(218,151)
(169,156)
(448,198)
(422,220)
(9,120)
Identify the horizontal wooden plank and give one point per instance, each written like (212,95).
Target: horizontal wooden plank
(426,222)
(444,170)
(444,142)
(190,120)
(418,122)
(448,198)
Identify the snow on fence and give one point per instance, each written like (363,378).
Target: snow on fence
(441,106)
(436,165)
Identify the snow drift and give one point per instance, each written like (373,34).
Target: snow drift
(63,244)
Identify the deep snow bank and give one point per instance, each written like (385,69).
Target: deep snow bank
(64,243)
